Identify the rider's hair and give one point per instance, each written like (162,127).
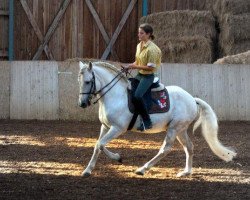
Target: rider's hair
(148,29)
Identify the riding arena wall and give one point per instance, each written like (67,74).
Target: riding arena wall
(48,90)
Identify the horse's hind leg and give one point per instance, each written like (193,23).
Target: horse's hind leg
(187,144)
(164,150)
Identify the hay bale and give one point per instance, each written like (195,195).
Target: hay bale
(242,58)
(184,36)
(194,49)
(235,27)
(231,7)
(182,23)
(235,34)
(234,48)
(189,5)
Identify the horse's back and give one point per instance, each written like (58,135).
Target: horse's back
(181,101)
(177,91)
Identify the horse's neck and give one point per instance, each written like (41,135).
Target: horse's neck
(104,77)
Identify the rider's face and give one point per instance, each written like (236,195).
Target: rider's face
(142,35)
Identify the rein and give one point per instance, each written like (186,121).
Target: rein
(93,85)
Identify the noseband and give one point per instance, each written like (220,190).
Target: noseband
(93,91)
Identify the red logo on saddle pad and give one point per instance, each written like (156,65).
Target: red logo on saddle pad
(160,102)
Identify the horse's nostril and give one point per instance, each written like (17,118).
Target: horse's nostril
(83,105)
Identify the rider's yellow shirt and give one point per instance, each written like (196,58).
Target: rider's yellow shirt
(148,55)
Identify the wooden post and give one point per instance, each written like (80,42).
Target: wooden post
(145,8)
(11,30)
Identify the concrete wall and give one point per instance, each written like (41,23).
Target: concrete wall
(224,87)
(34,90)
(4,90)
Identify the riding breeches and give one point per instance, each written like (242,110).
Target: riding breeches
(139,88)
(145,81)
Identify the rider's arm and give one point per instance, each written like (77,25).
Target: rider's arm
(144,67)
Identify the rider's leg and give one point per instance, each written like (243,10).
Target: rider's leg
(144,84)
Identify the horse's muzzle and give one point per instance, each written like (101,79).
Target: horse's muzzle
(84,104)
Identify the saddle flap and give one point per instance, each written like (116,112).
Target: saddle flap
(157,101)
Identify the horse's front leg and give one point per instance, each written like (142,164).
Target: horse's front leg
(113,132)
(95,155)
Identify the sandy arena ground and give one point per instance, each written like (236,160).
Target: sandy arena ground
(45,159)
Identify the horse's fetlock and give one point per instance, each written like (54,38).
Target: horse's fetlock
(101,146)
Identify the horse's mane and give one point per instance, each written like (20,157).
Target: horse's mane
(110,67)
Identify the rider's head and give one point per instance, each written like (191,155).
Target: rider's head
(147,30)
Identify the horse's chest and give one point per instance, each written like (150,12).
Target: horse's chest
(104,116)
(109,116)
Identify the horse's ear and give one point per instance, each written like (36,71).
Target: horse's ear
(81,65)
(90,66)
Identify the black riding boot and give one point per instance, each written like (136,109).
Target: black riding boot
(146,122)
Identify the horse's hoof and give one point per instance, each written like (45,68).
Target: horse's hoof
(138,172)
(86,174)
(183,174)
(120,160)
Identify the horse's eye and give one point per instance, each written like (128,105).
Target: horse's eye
(87,82)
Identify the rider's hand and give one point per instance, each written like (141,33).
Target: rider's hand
(131,66)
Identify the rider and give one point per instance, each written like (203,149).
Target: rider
(148,59)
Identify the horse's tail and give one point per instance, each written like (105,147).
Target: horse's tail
(209,124)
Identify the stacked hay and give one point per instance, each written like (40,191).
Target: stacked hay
(234,19)
(184,36)
(230,7)
(242,58)
(189,5)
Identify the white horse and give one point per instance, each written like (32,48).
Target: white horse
(107,83)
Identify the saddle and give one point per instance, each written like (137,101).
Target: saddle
(156,99)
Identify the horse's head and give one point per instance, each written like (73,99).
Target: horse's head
(87,84)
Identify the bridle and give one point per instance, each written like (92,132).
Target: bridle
(92,92)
